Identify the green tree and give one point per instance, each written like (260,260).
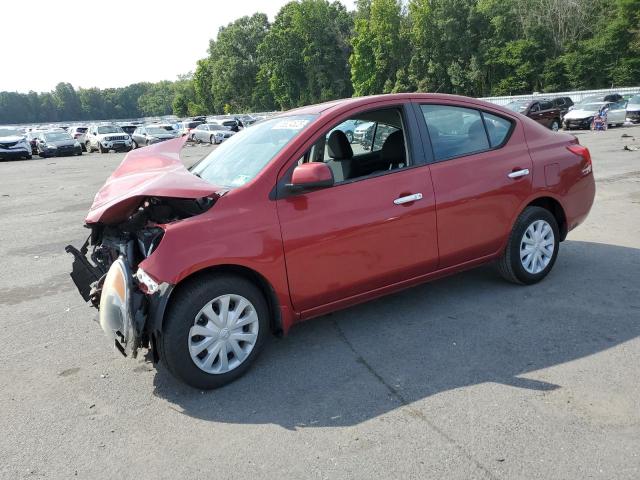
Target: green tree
(378,49)
(305,54)
(234,62)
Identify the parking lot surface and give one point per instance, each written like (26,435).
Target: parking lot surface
(463,378)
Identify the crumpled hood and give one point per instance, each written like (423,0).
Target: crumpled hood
(154,171)
(579,114)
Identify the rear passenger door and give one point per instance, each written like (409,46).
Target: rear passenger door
(481,174)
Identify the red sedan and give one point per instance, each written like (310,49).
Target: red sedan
(289,220)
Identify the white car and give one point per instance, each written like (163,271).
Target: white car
(582,114)
(107,137)
(210,132)
(633,109)
(80,134)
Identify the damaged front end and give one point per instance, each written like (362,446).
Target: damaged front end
(107,274)
(150,190)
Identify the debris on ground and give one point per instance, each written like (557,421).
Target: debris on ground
(631,148)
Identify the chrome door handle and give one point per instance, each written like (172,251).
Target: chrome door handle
(519,173)
(408,199)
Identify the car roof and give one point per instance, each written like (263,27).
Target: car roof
(337,106)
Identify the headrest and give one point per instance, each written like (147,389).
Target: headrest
(393,150)
(339,146)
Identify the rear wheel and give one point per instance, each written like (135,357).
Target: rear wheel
(214,329)
(212,140)
(134,145)
(555,125)
(88,148)
(532,248)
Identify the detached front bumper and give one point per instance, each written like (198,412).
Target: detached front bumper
(129,317)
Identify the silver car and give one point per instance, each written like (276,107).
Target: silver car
(211,133)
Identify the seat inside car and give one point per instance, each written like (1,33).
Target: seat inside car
(340,155)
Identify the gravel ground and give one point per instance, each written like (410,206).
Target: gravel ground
(463,378)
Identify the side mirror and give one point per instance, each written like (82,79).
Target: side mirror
(310,176)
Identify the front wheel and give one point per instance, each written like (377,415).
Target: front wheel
(88,148)
(532,247)
(214,329)
(555,125)
(103,150)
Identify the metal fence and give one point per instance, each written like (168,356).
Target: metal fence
(576,96)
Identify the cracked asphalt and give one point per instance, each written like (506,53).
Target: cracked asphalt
(467,377)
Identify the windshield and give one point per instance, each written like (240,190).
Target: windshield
(239,159)
(9,132)
(518,105)
(156,131)
(635,100)
(56,136)
(81,129)
(109,129)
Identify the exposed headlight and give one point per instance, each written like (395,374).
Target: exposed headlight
(147,283)
(126,137)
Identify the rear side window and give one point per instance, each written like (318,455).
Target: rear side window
(498,129)
(546,106)
(454,131)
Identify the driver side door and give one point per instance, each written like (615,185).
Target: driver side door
(370,230)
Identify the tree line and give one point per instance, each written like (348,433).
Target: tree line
(316,50)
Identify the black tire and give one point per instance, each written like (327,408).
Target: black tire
(88,148)
(134,145)
(212,140)
(555,125)
(103,150)
(510,265)
(29,157)
(191,297)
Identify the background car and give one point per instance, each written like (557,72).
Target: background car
(80,134)
(57,144)
(150,134)
(348,128)
(582,114)
(210,132)
(14,144)
(185,127)
(633,109)
(128,128)
(32,138)
(543,111)
(564,104)
(107,137)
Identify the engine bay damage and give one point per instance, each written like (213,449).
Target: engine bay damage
(106,271)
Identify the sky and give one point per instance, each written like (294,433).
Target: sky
(113,43)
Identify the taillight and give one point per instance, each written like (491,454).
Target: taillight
(586,156)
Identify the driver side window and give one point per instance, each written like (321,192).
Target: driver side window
(369,143)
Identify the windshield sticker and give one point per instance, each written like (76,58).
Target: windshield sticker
(240,180)
(296,124)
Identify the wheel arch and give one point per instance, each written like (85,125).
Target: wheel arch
(556,209)
(275,316)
